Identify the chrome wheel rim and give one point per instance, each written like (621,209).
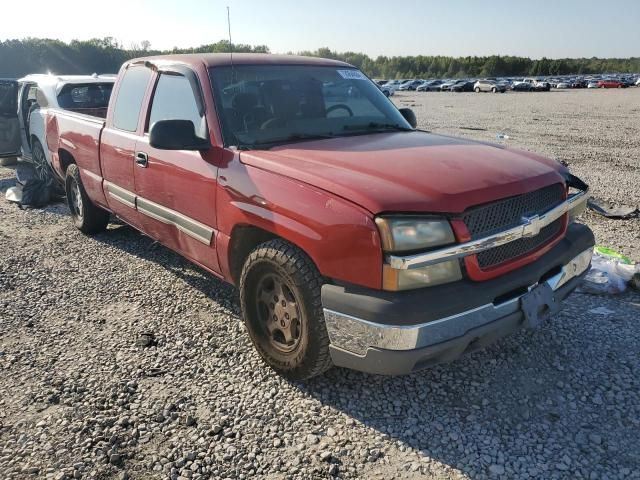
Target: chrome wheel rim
(40,164)
(279,313)
(76,199)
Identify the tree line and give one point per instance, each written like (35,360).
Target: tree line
(105,55)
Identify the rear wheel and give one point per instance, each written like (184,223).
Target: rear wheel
(494,90)
(280,300)
(86,216)
(40,163)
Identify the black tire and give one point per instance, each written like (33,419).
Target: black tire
(477,89)
(86,216)
(306,353)
(40,163)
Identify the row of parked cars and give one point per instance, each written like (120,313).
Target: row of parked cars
(495,85)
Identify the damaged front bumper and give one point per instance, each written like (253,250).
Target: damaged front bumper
(400,332)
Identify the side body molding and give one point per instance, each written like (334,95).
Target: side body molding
(187,225)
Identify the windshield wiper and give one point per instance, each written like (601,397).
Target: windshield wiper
(294,137)
(376,126)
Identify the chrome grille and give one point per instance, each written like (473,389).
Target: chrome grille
(517,248)
(504,214)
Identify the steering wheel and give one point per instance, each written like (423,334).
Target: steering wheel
(339,106)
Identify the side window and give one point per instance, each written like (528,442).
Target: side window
(174,100)
(32,97)
(41,99)
(130,96)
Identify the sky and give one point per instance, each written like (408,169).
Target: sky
(554,29)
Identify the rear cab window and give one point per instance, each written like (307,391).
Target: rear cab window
(87,96)
(129,98)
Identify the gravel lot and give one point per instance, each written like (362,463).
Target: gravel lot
(84,393)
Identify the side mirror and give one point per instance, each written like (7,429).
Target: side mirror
(409,116)
(176,135)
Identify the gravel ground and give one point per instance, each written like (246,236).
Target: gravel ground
(118,359)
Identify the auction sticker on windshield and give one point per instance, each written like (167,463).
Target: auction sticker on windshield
(352,74)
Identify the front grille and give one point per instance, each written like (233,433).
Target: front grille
(504,214)
(517,248)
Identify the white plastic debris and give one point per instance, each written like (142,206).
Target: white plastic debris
(14,194)
(610,272)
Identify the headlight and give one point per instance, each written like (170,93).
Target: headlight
(409,233)
(405,233)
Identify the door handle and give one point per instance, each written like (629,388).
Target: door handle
(142,159)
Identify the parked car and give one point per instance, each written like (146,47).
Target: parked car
(489,86)
(465,86)
(410,85)
(534,85)
(562,85)
(429,86)
(393,84)
(519,86)
(611,83)
(447,84)
(388,91)
(347,247)
(36,99)
(638,82)
(579,83)
(593,84)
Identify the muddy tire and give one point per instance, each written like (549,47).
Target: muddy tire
(280,301)
(86,216)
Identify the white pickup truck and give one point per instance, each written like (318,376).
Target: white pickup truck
(35,98)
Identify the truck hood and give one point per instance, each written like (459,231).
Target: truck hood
(410,171)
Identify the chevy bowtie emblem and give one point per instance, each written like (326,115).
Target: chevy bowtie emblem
(531,226)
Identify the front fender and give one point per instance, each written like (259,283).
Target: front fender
(340,237)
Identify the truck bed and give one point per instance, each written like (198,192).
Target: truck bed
(77,135)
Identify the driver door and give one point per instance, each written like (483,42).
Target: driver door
(9,124)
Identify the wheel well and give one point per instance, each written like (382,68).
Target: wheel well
(244,239)
(66,159)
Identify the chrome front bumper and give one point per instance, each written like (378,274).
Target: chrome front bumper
(357,336)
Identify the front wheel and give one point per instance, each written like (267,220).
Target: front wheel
(86,216)
(280,301)
(477,89)
(494,90)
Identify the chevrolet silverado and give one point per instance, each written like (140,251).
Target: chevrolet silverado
(355,239)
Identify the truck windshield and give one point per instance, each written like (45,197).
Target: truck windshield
(261,106)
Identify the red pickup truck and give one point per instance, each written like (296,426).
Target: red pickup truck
(355,239)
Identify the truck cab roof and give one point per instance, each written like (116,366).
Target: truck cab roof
(225,59)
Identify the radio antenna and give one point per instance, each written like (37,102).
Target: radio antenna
(233,72)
